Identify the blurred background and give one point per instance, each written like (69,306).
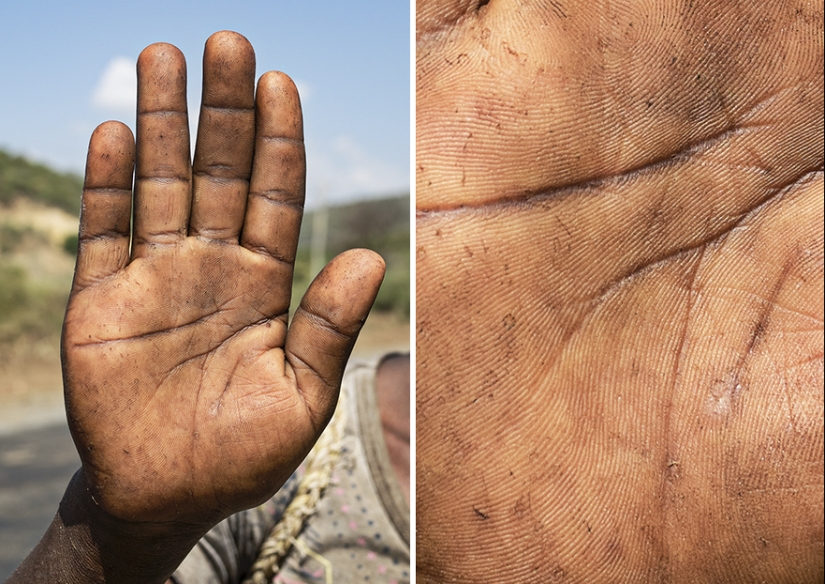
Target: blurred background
(65,68)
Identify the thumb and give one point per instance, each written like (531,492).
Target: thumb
(326,326)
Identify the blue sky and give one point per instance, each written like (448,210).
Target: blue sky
(67,66)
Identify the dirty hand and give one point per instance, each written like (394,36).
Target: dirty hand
(620,291)
(188,394)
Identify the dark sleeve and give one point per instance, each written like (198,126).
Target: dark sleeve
(228,550)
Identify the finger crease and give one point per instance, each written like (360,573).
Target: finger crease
(281,197)
(169,179)
(288,140)
(108,191)
(211,172)
(104,235)
(227,235)
(157,238)
(324,323)
(263,250)
(162,113)
(291,357)
(228,110)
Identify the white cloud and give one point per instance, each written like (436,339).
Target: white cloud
(342,170)
(304,90)
(117,88)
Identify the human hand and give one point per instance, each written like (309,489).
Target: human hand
(189,397)
(620,283)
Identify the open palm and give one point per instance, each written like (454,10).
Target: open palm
(188,394)
(620,284)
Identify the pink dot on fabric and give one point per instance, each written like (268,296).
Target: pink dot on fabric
(344,508)
(318,573)
(370,555)
(353,525)
(393,581)
(382,569)
(339,491)
(362,541)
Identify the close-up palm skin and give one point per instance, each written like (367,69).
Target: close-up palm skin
(189,395)
(619,291)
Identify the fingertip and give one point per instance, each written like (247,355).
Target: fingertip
(365,262)
(277,81)
(228,71)
(278,84)
(158,53)
(113,129)
(160,47)
(344,291)
(278,100)
(111,157)
(161,70)
(228,38)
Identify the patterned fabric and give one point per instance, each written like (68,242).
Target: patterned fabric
(359,531)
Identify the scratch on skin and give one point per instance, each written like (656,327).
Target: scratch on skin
(725,391)
(671,460)
(481,514)
(762,323)
(692,295)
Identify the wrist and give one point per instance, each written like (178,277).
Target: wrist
(86,545)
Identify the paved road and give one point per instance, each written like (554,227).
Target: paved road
(35,467)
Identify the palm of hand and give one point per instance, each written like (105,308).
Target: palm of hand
(188,396)
(640,381)
(184,380)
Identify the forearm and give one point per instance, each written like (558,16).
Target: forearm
(84,545)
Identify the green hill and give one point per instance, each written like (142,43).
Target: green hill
(38,207)
(22,178)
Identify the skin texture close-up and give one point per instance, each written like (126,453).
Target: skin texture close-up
(619,291)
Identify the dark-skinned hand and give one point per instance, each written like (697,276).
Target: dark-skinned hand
(189,395)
